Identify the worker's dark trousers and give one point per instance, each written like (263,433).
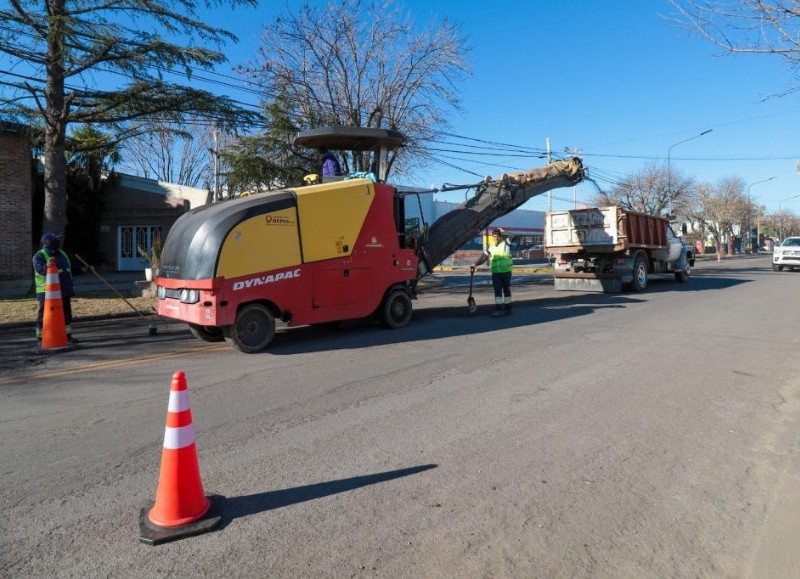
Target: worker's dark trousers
(502,288)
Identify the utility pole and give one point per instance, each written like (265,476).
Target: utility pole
(575,153)
(549,160)
(669,169)
(217,194)
(750,217)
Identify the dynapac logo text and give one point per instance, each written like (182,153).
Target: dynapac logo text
(265,279)
(278,220)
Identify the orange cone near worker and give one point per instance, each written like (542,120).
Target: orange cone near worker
(54,328)
(181,508)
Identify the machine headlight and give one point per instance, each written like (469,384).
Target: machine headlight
(162,292)
(190,296)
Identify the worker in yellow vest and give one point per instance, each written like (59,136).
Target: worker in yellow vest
(51,247)
(499,254)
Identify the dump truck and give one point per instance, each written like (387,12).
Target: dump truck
(322,253)
(608,249)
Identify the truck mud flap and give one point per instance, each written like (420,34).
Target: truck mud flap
(588,284)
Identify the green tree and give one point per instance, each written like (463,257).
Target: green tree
(93,152)
(66,44)
(267,161)
(91,155)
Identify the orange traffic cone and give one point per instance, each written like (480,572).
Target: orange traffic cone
(54,328)
(181,509)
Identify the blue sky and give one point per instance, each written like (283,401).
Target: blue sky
(612,78)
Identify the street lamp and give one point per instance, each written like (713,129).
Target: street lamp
(779,212)
(669,171)
(749,214)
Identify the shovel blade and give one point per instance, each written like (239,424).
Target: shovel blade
(473,307)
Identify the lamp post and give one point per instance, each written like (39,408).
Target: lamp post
(750,212)
(779,212)
(669,170)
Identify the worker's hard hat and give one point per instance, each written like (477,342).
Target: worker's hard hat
(48,237)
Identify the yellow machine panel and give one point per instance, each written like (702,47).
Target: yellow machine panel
(261,243)
(331,217)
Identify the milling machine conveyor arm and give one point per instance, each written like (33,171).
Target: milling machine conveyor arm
(492,200)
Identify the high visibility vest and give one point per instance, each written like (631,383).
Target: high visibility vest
(41,280)
(500,255)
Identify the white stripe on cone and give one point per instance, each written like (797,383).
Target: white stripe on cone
(178,400)
(175,438)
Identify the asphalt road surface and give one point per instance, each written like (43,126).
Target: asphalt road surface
(586,435)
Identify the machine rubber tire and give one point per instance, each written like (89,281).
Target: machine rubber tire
(207,333)
(253,329)
(776,267)
(395,310)
(639,283)
(682,276)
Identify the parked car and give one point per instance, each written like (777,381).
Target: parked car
(787,254)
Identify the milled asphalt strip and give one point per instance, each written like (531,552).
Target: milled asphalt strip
(22,377)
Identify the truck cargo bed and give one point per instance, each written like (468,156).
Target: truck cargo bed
(603,230)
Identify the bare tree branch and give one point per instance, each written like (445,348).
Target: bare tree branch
(359,63)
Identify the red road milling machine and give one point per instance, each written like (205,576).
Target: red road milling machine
(322,253)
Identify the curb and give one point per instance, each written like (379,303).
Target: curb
(80,321)
(517,269)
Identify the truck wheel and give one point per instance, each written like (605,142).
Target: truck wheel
(683,275)
(253,329)
(639,273)
(206,333)
(395,311)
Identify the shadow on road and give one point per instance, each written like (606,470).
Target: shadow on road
(443,322)
(237,507)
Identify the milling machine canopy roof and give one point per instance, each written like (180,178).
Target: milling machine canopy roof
(353,139)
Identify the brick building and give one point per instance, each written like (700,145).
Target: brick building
(16,194)
(135,212)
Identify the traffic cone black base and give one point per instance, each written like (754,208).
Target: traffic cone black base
(152,534)
(39,350)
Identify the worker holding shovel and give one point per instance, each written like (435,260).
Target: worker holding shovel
(499,254)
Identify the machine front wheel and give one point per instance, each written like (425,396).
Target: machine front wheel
(395,311)
(206,333)
(253,329)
